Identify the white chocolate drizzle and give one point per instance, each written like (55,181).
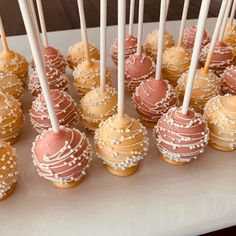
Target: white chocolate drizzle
(229,80)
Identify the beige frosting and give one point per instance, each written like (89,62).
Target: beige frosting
(176,61)
(76,54)
(220,113)
(97,105)
(7,168)
(150,45)
(205,87)
(11,84)
(11,61)
(87,76)
(121,142)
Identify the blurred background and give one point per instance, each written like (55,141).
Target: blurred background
(63,14)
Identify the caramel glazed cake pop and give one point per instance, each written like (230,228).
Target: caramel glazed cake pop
(220,113)
(76,54)
(8,172)
(97,105)
(176,61)
(152,99)
(138,68)
(56,80)
(11,118)
(121,144)
(87,76)
(65,108)
(206,85)
(130,48)
(10,84)
(228,77)
(62,157)
(150,45)
(181,138)
(13,62)
(222,57)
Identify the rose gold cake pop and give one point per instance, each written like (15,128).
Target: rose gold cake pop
(76,54)
(65,108)
(130,48)
(222,57)
(228,77)
(8,172)
(138,68)
(181,137)
(190,35)
(10,84)
(62,157)
(56,80)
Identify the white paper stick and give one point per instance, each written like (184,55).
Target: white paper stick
(42,23)
(196,51)
(231,18)
(3,36)
(83,29)
(140,26)
(160,39)
(215,34)
(167,8)
(38,58)
(225,19)
(103,24)
(183,21)
(121,55)
(131,16)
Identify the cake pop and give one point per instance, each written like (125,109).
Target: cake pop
(76,54)
(151,43)
(228,77)
(11,118)
(190,35)
(10,84)
(8,170)
(56,80)
(181,133)
(220,113)
(205,86)
(65,108)
(87,76)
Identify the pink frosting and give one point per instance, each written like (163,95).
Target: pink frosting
(153,98)
(222,57)
(56,80)
(62,157)
(138,68)
(229,81)
(65,108)
(190,35)
(53,58)
(130,48)
(181,137)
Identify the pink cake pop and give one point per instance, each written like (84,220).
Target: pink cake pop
(56,80)
(229,81)
(65,108)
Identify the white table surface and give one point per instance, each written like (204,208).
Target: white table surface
(159,199)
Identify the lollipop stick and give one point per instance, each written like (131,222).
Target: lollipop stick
(224,22)
(38,58)
(196,51)
(140,26)
(42,23)
(160,39)
(103,24)
(167,8)
(3,36)
(131,16)
(183,21)
(83,29)
(231,18)
(121,56)
(215,35)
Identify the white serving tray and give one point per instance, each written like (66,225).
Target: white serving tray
(159,199)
